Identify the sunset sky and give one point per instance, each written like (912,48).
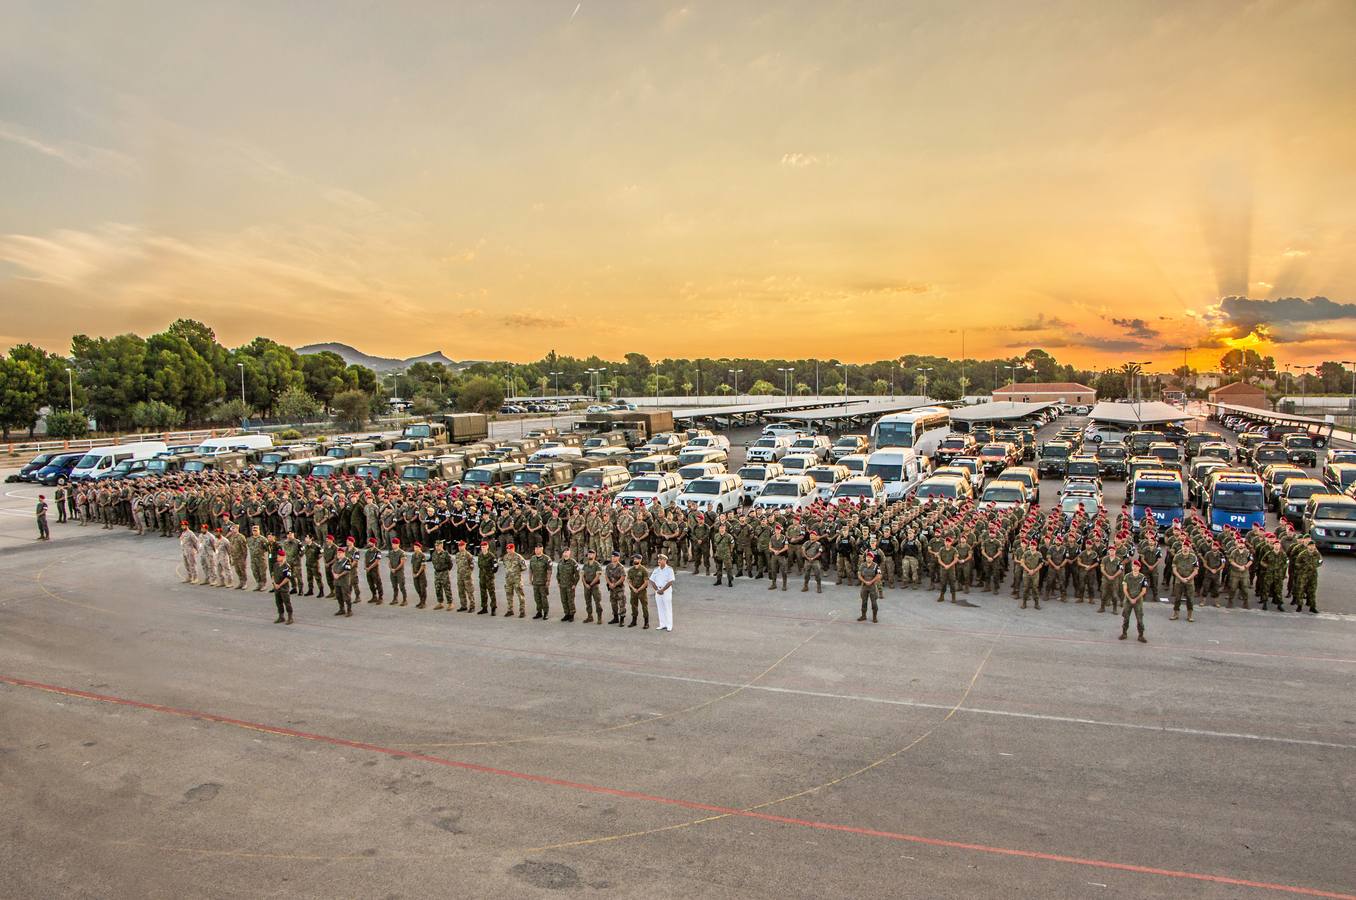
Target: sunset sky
(849,179)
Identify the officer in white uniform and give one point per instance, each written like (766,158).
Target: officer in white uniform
(661,579)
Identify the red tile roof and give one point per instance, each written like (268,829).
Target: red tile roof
(1045,387)
(1237,388)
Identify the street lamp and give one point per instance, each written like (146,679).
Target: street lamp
(1352,403)
(787,373)
(1304,388)
(925,370)
(70,386)
(439,379)
(735,373)
(556,376)
(845,383)
(244,406)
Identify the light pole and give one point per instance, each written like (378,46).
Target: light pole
(925,370)
(1351,404)
(1012,375)
(735,374)
(845,384)
(1304,388)
(816,379)
(244,406)
(556,376)
(70,386)
(786,383)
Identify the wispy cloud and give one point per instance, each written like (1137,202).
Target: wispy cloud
(1136,328)
(800,160)
(75,154)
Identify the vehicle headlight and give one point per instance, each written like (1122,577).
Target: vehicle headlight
(1321,532)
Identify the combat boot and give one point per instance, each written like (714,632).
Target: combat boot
(633,621)
(819,588)
(1173,617)
(729,581)
(862,617)
(805,588)
(1190,616)
(589,620)
(873,617)
(289,619)
(1141,638)
(279,620)
(1124,635)
(1023,603)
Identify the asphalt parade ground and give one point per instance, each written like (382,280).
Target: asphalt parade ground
(165,740)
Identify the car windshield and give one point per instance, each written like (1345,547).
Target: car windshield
(1111,452)
(856,466)
(1002,495)
(1169,453)
(821,476)
(795,462)
(1238,499)
(894,434)
(886,471)
(1304,491)
(953,443)
(781,489)
(992,450)
(702,486)
(588,480)
(765,442)
(854,490)
(418,431)
(269,458)
(412,473)
(88,461)
(1054,452)
(527,476)
(803,443)
(1166,496)
(1072,503)
(477,476)
(845,442)
(1346,477)
(1302,443)
(324,470)
(1344,512)
(1088,469)
(369,471)
(644,484)
(751,473)
(157,465)
(936,489)
(195,465)
(289,469)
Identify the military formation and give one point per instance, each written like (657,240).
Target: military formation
(335,536)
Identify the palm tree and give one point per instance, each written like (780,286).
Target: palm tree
(1130,371)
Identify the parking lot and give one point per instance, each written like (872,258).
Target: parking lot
(156,738)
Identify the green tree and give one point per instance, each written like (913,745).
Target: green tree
(880,387)
(156,415)
(480,394)
(802,388)
(724,390)
(944,388)
(276,369)
(296,405)
(57,384)
(1335,378)
(762,388)
(204,342)
(113,373)
(178,376)
(327,374)
(229,412)
(352,409)
(65,424)
(1110,385)
(21,394)
(423,406)
(361,378)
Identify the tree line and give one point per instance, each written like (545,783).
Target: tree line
(184,376)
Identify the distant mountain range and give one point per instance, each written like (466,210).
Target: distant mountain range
(353,356)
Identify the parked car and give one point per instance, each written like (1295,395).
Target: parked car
(655,489)
(788,492)
(755,475)
(1002,494)
(848,444)
(818,444)
(713,493)
(858,490)
(769,448)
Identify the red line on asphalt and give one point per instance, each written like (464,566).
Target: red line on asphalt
(670,801)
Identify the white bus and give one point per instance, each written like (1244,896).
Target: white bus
(921,429)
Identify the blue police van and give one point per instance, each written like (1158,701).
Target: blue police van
(1236,499)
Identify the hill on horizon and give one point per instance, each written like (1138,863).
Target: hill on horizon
(353,356)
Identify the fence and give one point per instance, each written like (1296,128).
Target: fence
(169,437)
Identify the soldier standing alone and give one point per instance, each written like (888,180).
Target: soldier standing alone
(282,589)
(514,564)
(539,573)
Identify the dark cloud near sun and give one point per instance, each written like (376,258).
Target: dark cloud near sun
(1136,328)
(1285,320)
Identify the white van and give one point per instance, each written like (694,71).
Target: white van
(755,475)
(790,492)
(715,441)
(769,448)
(799,463)
(700,470)
(714,493)
(857,491)
(558,453)
(654,489)
(781,429)
(818,444)
(99,461)
(213,446)
(898,468)
(827,478)
(692,454)
(649,465)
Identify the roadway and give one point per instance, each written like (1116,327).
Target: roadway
(158,739)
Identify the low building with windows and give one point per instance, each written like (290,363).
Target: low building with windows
(1240,393)
(1046,392)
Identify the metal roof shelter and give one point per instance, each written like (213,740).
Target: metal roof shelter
(779,404)
(876,406)
(1150,413)
(998,411)
(1311,424)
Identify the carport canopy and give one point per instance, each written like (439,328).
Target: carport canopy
(1135,414)
(997,411)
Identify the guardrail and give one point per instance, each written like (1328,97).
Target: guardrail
(169,437)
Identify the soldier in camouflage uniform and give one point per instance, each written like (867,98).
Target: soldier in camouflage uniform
(466,601)
(722,549)
(615,576)
(567,576)
(514,566)
(591,574)
(539,573)
(486,566)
